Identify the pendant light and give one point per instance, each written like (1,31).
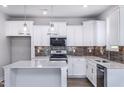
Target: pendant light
(51,29)
(25,27)
(52,25)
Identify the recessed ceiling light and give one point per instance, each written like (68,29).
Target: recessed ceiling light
(44,11)
(5,5)
(85,5)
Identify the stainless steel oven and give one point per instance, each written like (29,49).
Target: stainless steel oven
(101,76)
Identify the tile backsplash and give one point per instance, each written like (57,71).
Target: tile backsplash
(99,51)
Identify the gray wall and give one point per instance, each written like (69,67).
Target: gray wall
(4,45)
(20,48)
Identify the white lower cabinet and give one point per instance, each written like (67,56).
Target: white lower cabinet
(76,67)
(91,72)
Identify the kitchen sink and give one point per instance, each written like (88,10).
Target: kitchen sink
(102,61)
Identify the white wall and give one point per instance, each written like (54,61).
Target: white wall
(4,45)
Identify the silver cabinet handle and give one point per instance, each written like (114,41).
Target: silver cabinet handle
(92,70)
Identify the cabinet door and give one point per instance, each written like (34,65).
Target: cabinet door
(94,77)
(100,33)
(60,28)
(70,35)
(70,69)
(16,28)
(113,28)
(40,37)
(121,43)
(88,33)
(91,72)
(78,35)
(74,35)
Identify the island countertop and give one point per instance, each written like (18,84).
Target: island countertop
(37,64)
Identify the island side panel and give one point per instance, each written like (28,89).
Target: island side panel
(64,77)
(115,77)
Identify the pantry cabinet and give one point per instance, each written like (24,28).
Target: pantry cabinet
(16,28)
(76,67)
(40,35)
(91,72)
(74,35)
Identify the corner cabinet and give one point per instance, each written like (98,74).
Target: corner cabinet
(91,72)
(16,28)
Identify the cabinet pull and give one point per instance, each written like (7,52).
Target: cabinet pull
(92,70)
(87,66)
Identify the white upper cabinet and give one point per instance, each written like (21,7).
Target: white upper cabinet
(89,33)
(100,33)
(121,38)
(59,28)
(16,28)
(40,35)
(113,28)
(74,35)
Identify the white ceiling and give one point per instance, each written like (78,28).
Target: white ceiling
(56,11)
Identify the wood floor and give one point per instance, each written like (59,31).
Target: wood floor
(73,82)
(79,82)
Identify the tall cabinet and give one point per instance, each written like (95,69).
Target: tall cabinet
(115,28)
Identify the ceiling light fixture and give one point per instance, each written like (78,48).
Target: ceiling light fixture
(5,5)
(44,11)
(85,6)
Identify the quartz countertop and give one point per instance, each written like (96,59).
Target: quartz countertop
(108,65)
(37,64)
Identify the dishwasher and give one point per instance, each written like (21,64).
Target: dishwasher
(101,76)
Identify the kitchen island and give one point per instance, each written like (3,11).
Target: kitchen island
(36,74)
